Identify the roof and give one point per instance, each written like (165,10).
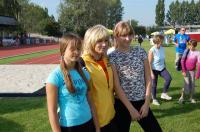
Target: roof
(7,21)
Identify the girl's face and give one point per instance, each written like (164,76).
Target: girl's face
(124,40)
(159,44)
(101,46)
(192,47)
(72,54)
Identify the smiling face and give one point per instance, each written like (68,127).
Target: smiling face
(101,46)
(124,40)
(123,34)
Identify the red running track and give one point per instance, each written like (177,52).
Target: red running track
(47,59)
(14,51)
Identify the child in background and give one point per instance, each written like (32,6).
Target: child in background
(189,61)
(157,63)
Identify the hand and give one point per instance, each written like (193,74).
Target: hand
(184,74)
(144,110)
(176,44)
(135,115)
(197,78)
(98,130)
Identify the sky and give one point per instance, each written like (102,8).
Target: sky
(142,11)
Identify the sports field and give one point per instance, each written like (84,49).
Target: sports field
(30,114)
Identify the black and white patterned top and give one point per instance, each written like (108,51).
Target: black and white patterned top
(130,69)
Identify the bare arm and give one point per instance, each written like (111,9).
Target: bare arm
(93,110)
(147,81)
(122,96)
(145,108)
(150,58)
(52,95)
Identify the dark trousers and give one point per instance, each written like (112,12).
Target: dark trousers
(111,127)
(86,127)
(123,118)
(167,77)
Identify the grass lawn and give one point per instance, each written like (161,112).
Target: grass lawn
(27,56)
(30,114)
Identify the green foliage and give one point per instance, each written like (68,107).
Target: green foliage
(152,29)
(10,8)
(140,30)
(160,13)
(77,16)
(134,23)
(184,13)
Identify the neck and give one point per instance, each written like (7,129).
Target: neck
(70,65)
(124,48)
(97,57)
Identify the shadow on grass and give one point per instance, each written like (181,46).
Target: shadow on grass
(19,104)
(171,108)
(10,126)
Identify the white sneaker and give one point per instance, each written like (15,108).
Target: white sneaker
(165,96)
(181,100)
(193,101)
(155,102)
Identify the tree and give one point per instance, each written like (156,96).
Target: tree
(173,13)
(160,13)
(134,23)
(52,28)
(77,16)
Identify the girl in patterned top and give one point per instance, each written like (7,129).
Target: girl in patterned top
(133,69)
(189,61)
(103,78)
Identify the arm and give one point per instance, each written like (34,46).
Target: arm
(145,108)
(183,61)
(52,93)
(175,41)
(120,93)
(150,58)
(93,110)
(198,67)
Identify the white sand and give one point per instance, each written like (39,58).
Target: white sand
(23,78)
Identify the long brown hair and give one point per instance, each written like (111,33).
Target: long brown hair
(76,41)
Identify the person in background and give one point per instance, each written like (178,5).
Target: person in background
(67,88)
(132,66)
(180,40)
(190,59)
(157,64)
(104,80)
(140,39)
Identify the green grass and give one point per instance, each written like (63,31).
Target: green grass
(27,56)
(30,114)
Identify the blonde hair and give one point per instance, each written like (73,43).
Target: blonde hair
(92,36)
(158,38)
(123,28)
(74,40)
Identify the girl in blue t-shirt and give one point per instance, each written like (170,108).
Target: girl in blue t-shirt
(67,89)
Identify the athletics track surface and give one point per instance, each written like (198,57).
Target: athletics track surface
(15,51)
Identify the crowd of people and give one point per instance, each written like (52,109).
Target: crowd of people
(101,90)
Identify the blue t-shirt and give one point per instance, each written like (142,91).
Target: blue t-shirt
(74,107)
(182,40)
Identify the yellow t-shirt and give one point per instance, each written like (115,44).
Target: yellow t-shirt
(101,89)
